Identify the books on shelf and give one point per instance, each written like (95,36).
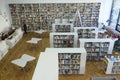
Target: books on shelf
(97,48)
(45,14)
(63,40)
(69,63)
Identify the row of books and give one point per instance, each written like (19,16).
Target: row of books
(97,44)
(69,56)
(64,37)
(63,41)
(69,66)
(69,71)
(96,49)
(63,45)
(69,61)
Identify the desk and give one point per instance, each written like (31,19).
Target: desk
(47,67)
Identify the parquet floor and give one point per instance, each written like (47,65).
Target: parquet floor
(9,71)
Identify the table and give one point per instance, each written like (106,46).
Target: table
(40,32)
(37,39)
(21,62)
(34,41)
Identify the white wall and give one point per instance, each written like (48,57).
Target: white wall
(4,21)
(104,10)
(116,4)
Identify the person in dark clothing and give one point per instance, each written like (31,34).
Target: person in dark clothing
(25,28)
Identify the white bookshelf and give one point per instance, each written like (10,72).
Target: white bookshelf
(86,32)
(63,40)
(62,27)
(48,61)
(97,48)
(70,60)
(112,65)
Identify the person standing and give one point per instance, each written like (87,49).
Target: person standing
(25,28)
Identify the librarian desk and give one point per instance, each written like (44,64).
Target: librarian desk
(47,67)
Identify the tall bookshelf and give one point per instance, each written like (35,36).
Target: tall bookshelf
(97,48)
(63,40)
(70,60)
(112,65)
(42,15)
(62,27)
(86,32)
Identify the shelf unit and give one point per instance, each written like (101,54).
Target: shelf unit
(62,27)
(86,32)
(42,15)
(112,65)
(70,60)
(97,48)
(63,40)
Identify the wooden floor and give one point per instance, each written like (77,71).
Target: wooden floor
(9,71)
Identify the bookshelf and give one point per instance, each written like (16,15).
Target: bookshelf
(42,15)
(112,65)
(86,32)
(62,27)
(97,48)
(63,40)
(70,60)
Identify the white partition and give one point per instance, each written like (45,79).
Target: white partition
(72,51)
(47,67)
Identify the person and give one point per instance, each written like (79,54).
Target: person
(25,27)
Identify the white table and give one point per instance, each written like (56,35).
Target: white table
(34,41)
(47,67)
(37,39)
(40,31)
(21,62)
(26,57)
